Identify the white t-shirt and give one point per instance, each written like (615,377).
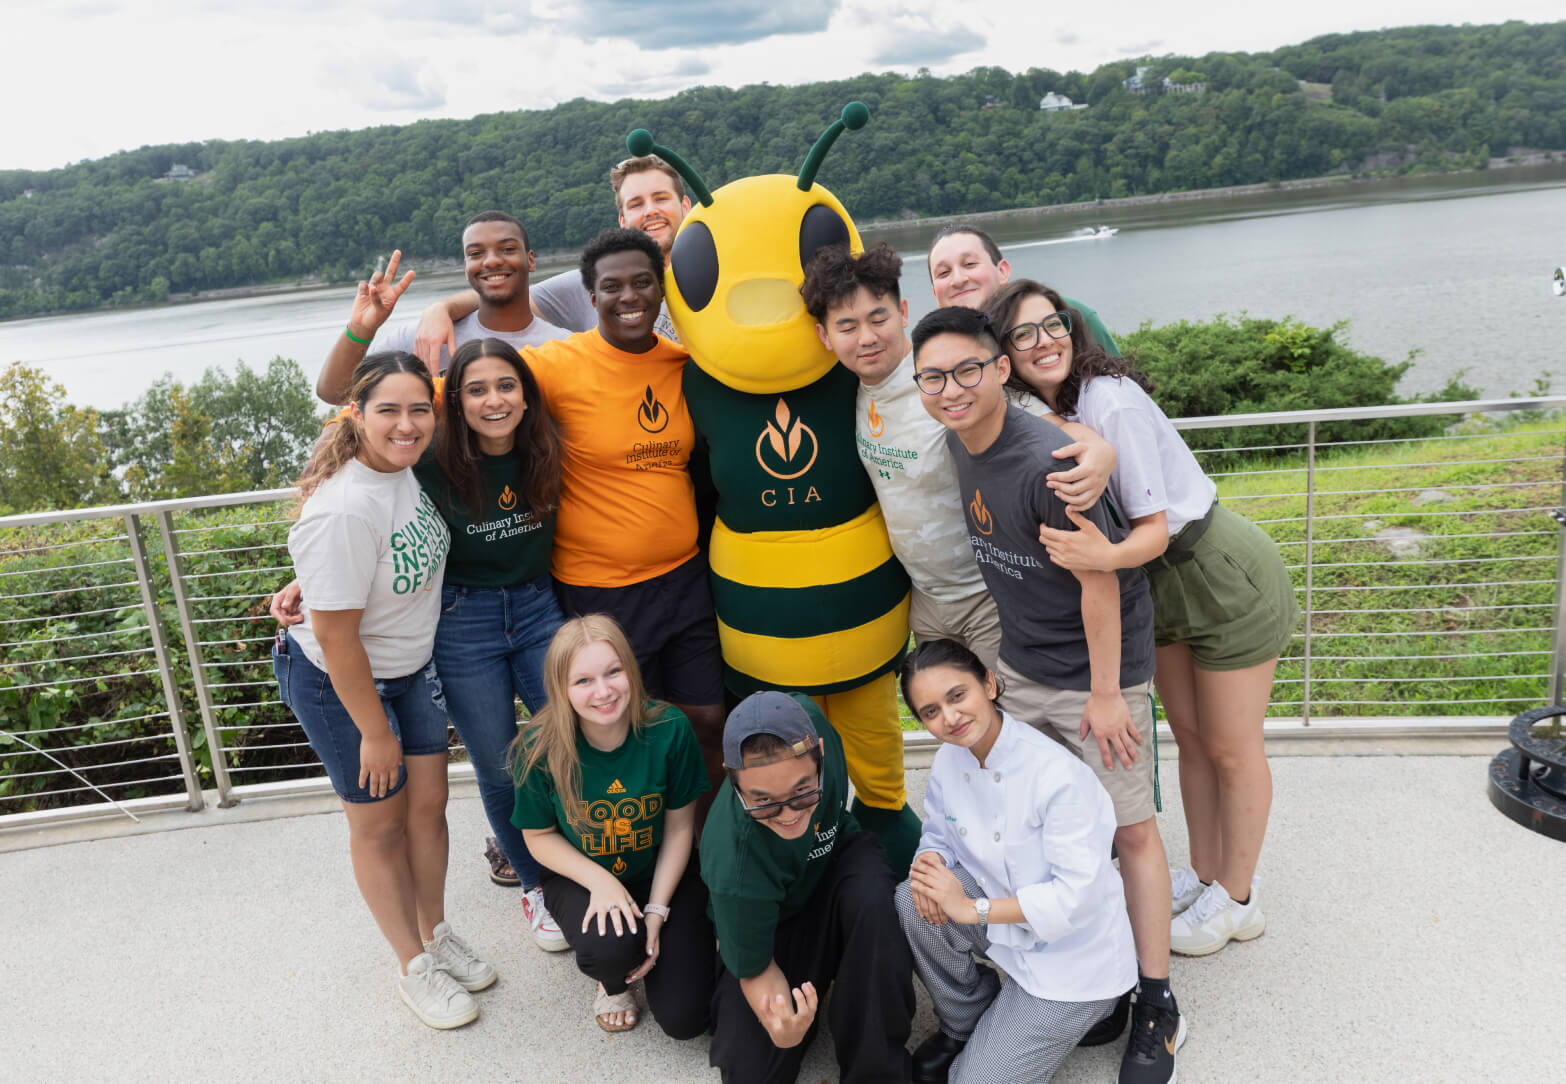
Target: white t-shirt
(372,541)
(903,450)
(537,333)
(563,299)
(1155,472)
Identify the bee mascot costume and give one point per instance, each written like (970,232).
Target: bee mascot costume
(808,594)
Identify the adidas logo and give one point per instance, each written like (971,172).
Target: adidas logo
(616,788)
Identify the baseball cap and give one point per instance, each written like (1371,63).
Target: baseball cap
(772,713)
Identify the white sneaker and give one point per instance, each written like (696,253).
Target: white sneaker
(434,996)
(461,962)
(1214,920)
(546,931)
(1184,887)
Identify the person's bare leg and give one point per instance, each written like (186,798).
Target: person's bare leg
(428,838)
(378,846)
(1232,705)
(1175,680)
(1145,870)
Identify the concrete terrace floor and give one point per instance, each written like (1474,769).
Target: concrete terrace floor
(1414,934)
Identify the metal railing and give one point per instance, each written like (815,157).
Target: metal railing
(135,668)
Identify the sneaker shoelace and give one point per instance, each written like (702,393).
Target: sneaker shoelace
(1212,901)
(1183,880)
(453,947)
(1146,1035)
(442,985)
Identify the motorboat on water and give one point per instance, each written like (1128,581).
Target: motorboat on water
(1105,231)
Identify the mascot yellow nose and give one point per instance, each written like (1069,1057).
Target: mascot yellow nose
(764,301)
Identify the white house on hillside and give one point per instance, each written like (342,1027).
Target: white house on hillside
(1054,103)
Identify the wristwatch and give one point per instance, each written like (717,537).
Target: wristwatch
(982,907)
(656,909)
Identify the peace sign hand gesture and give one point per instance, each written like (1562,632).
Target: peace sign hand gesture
(374,301)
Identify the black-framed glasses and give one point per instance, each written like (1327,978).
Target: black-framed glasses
(967,374)
(1057,325)
(767,810)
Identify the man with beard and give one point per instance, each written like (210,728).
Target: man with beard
(648,196)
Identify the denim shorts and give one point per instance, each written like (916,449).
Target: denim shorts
(414,705)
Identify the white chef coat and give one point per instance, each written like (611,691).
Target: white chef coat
(1036,824)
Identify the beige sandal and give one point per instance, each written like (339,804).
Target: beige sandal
(605,1004)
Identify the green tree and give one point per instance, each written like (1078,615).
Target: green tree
(51,453)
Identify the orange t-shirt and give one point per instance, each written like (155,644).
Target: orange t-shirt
(627,507)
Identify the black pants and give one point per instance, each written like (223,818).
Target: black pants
(679,987)
(848,933)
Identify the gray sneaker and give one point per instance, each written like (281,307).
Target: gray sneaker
(434,995)
(463,964)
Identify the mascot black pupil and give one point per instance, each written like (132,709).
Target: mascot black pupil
(694,261)
(820,227)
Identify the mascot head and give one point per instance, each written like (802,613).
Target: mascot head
(738,261)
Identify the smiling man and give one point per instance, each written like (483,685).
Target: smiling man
(648,196)
(498,261)
(863,320)
(801,898)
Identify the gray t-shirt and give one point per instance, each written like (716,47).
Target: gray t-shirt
(1040,603)
(562,299)
(539,332)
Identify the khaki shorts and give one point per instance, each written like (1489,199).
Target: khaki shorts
(973,622)
(1058,713)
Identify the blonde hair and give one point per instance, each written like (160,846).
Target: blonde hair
(644,164)
(344,437)
(548,740)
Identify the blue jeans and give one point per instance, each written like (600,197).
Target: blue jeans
(414,710)
(489,649)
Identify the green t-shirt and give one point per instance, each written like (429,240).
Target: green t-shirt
(506,545)
(1095,326)
(626,792)
(755,877)
(783,461)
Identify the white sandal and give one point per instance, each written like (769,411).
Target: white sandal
(605,1004)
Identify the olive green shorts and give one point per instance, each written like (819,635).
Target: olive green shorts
(1231,603)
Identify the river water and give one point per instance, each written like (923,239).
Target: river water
(1455,267)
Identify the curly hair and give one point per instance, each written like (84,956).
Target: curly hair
(835,275)
(618,239)
(1088,359)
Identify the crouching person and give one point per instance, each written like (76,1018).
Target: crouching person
(1013,865)
(801,898)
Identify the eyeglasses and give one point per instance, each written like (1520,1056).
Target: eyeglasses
(1057,325)
(768,810)
(967,374)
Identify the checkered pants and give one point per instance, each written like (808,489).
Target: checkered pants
(1012,1035)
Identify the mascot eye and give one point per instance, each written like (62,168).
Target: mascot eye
(694,260)
(820,227)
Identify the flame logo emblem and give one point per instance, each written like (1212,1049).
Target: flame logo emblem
(980,513)
(652,416)
(788,439)
(877,423)
(508,499)
(619,866)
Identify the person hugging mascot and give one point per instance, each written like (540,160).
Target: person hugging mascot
(808,594)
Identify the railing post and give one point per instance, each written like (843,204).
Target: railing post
(1558,647)
(1310,562)
(149,601)
(198,674)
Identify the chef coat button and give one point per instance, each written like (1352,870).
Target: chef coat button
(962,831)
(965,777)
(997,837)
(997,777)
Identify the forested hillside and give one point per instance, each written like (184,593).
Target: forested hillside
(115,231)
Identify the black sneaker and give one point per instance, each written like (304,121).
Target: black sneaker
(1156,1033)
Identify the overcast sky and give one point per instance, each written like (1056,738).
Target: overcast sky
(85,78)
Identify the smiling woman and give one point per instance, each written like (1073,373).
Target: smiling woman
(370,552)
